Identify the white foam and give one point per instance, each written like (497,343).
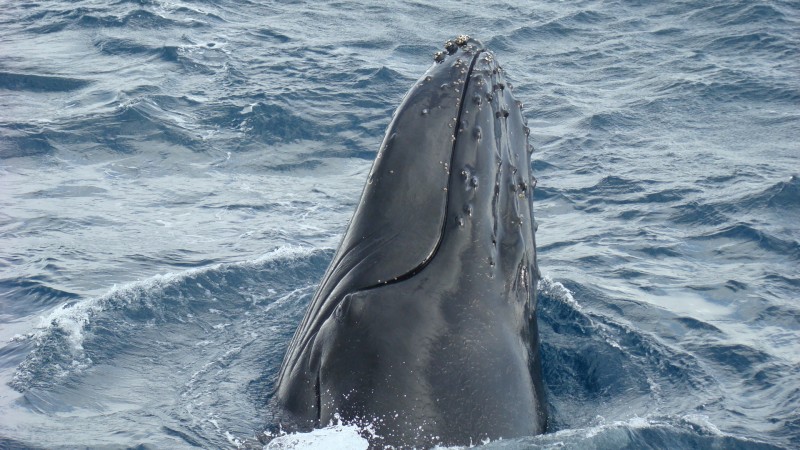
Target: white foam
(332,437)
(638,423)
(635,422)
(558,292)
(233,440)
(704,422)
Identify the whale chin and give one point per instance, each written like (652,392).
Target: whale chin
(424,325)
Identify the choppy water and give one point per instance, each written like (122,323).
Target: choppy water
(174,177)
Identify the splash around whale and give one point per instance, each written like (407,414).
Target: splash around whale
(424,325)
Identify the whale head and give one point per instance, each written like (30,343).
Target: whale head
(424,323)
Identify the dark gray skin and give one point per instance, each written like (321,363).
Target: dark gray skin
(424,326)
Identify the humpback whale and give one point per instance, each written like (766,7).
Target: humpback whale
(424,325)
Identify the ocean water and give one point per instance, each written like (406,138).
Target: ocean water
(175,176)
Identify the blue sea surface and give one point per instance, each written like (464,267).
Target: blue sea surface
(175,176)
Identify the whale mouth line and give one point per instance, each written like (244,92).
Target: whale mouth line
(419,268)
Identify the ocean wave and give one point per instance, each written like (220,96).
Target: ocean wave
(37,226)
(40,83)
(782,197)
(97,18)
(25,142)
(128,47)
(585,354)
(698,213)
(272,123)
(728,86)
(122,127)
(612,185)
(775,45)
(270,35)
(740,13)
(744,232)
(734,357)
(610,120)
(68,191)
(687,431)
(23,296)
(651,431)
(60,344)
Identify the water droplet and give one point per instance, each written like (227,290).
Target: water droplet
(425,112)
